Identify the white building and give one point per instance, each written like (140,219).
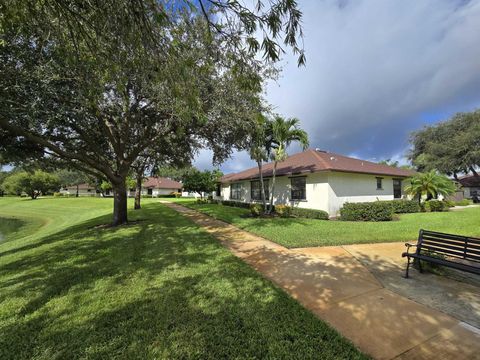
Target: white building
(83,190)
(318,179)
(156,186)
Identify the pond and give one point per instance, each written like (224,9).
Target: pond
(9,226)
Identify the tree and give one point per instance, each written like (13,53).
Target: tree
(430,184)
(259,149)
(450,147)
(201,181)
(284,132)
(34,184)
(72,178)
(389,162)
(97,93)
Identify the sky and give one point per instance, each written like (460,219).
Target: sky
(376,71)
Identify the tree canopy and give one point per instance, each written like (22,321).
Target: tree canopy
(451,147)
(34,184)
(96,84)
(201,181)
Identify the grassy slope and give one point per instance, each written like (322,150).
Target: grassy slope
(161,288)
(308,232)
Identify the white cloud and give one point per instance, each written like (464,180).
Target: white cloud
(377,70)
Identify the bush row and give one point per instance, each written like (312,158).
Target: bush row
(404,206)
(434,206)
(235,204)
(367,211)
(286,211)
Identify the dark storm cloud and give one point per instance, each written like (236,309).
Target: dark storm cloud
(377,70)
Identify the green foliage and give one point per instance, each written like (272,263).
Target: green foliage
(436,205)
(449,203)
(430,184)
(201,181)
(464,202)
(34,184)
(309,213)
(256,209)
(58,194)
(233,203)
(367,211)
(450,147)
(404,206)
(283,210)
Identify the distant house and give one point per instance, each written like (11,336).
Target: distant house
(83,190)
(158,186)
(470,185)
(318,179)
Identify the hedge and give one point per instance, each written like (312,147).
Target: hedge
(436,205)
(404,206)
(367,211)
(309,213)
(236,204)
(283,210)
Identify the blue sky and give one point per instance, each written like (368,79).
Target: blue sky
(376,71)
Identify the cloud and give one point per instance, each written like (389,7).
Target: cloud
(377,70)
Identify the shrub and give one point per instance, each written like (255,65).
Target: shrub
(404,206)
(57,194)
(283,210)
(236,204)
(202,201)
(436,205)
(449,203)
(256,209)
(367,211)
(463,202)
(309,213)
(176,194)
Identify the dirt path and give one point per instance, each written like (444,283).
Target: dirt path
(338,288)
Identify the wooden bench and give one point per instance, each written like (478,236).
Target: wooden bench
(454,251)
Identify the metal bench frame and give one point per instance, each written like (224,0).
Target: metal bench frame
(455,247)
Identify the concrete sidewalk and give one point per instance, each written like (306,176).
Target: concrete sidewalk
(339,289)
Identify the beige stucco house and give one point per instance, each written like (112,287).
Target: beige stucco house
(318,179)
(470,186)
(156,186)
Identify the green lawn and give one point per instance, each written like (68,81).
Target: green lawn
(160,288)
(294,233)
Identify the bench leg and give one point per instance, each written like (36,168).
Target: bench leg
(420,268)
(408,266)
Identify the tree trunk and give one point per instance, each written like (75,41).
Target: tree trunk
(76,195)
(262,186)
(138,191)
(120,203)
(273,187)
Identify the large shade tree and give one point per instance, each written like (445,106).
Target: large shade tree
(451,147)
(97,83)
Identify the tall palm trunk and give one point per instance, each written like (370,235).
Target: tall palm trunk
(273,186)
(262,185)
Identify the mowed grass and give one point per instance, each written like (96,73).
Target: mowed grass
(159,288)
(294,233)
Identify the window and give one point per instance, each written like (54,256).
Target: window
(149,191)
(236,191)
(218,191)
(379,183)
(298,188)
(397,188)
(256,189)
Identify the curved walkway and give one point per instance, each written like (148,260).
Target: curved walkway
(339,289)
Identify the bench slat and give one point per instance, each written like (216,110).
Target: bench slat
(453,242)
(455,254)
(451,236)
(462,248)
(455,265)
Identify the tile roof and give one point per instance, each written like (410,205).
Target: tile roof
(311,161)
(161,183)
(469,181)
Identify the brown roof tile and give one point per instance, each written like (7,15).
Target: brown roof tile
(311,161)
(161,183)
(469,181)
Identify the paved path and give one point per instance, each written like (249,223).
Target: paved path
(339,289)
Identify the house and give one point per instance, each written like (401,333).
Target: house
(470,185)
(83,190)
(156,186)
(318,179)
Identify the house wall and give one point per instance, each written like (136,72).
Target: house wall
(326,191)
(470,191)
(350,187)
(81,192)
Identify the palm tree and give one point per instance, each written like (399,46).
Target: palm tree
(430,184)
(259,149)
(284,132)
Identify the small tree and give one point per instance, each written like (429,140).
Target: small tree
(201,181)
(33,184)
(430,184)
(284,132)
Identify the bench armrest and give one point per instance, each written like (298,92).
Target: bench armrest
(409,245)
